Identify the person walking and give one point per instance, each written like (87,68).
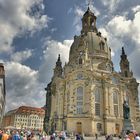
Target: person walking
(78,137)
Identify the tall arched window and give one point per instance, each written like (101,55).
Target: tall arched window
(79,100)
(127,97)
(126,74)
(80,61)
(115,103)
(97,102)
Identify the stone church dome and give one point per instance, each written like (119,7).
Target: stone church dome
(90,42)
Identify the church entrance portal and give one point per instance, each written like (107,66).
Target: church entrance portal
(117,128)
(79,127)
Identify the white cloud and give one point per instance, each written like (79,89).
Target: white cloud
(77,19)
(120,26)
(18,17)
(51,50)
(113,42)
(23,87)
(79,12)
(95,10)
(121,29)
(111,4)
(92,7)
(21,56)
(136,9)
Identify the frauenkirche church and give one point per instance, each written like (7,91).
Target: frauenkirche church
(87,94)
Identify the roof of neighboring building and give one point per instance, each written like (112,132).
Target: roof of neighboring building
(26,110)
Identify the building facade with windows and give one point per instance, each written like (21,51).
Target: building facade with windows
(87,94)
(25,117)
(2,91)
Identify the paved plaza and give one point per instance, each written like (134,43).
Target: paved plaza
(85,138)
(93,138)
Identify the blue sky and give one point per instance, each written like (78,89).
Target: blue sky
(34,32)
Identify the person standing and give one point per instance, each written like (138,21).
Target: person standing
(5,136)
(96,136)
(1,134)
(137,137)
(16,136)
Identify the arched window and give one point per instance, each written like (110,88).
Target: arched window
(79,100)
(97,102)
(127,98)
(80,61)
(101,44)
(108,67)
(126,74)
(115,102)
(79,76)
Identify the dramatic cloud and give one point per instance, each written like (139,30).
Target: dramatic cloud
(123,31)
(111,4)
(78,12)
(22,86)
(114,43)
(91,5)
(134,59)
(19,17)
(136,9)
(122,27)
(51,50)
(21,56)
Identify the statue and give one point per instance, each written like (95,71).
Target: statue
(126,110)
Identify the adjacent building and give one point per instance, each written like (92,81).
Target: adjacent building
(87,94)
(25,117)
(2,91)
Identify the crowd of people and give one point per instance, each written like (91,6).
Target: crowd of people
(33,135)
(30,135)
(21,135)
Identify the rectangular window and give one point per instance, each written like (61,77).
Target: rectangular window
(97,109)
(79,103)
(80,98)
(79,110)
(116,110)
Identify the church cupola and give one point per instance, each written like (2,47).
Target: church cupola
(124,65)
(88,22)
(58,68)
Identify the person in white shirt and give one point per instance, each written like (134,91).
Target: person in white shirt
(137,137)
